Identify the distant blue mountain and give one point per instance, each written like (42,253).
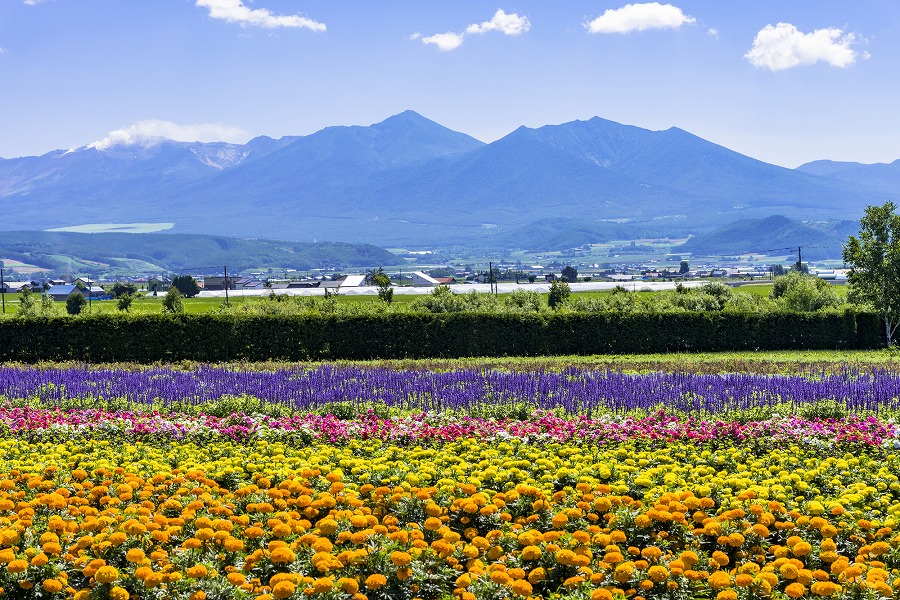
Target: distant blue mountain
(879,177)
(411,181)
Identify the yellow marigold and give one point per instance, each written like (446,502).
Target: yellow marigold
(106,574)
(348,585)
(651,553)
(135,555)
(537,575)
(657,573)
(824,588)
(283,589)
(282,555)
(376,581)
(40,560)
(17,566)
(623,573)
(788,571)
(718,580)
(531,553)
(521,587)
(118,593)
(197,571)
(720,558)
(743,580)
(801,549)
(500,577)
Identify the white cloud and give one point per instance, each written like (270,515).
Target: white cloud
(713,32)
(151,132)
(638,17)
(2,50)
(234,11)
(444,41)
(783,46)
(33,2)
(507,24)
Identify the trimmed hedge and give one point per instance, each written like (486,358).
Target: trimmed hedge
(217,338)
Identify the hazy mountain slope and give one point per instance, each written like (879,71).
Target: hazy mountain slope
(182,252)
(883,178)
(775,235)
(411,181)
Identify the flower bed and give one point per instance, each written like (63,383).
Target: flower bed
(470,519)
(577,391)
(438,428)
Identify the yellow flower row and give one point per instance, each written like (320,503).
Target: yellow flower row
(466,519)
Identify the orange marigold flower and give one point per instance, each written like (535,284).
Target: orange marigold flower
(52,585)
(283,589)
(795,590)
(118,593)
(401,559)
(282,555)
(376,581)
(106,574)
(522,588)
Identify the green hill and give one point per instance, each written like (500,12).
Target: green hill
(102,254)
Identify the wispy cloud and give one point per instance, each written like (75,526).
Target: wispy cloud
(783,46)
(444,41)
(639,17)
(507,24)
(2,50)
(33,2)
(503,22)
(151,132)
(234,11)
(713,32)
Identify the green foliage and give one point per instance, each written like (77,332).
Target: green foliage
(32,306)
(570,274)
(124,302)
(120,289)
(186,285)
(803,293)
(173,303)
(234,336)
(559,294)
(75,303)
(874,260)
(383,282)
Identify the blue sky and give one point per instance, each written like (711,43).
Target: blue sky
(786,81)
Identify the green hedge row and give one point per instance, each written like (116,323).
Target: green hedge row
(215,338)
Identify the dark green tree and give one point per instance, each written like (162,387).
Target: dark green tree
(75,302)
(684,268)
(120,289)
(559,294)
(874,260)
(173,302)
(385,291)
(186,285)
(570,274)
(124,303)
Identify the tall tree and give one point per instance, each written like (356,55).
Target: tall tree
(186,285)
(874,261)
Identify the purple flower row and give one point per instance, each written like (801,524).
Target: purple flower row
(578,391)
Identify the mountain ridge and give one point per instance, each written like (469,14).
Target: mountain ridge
(409,180)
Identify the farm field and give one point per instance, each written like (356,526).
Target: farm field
(733,476)
(147,303)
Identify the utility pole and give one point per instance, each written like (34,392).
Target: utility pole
(226,284)
(799,260)
(3,290)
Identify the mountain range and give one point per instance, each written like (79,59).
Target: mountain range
(410,181)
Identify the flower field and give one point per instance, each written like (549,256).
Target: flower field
(354,483)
